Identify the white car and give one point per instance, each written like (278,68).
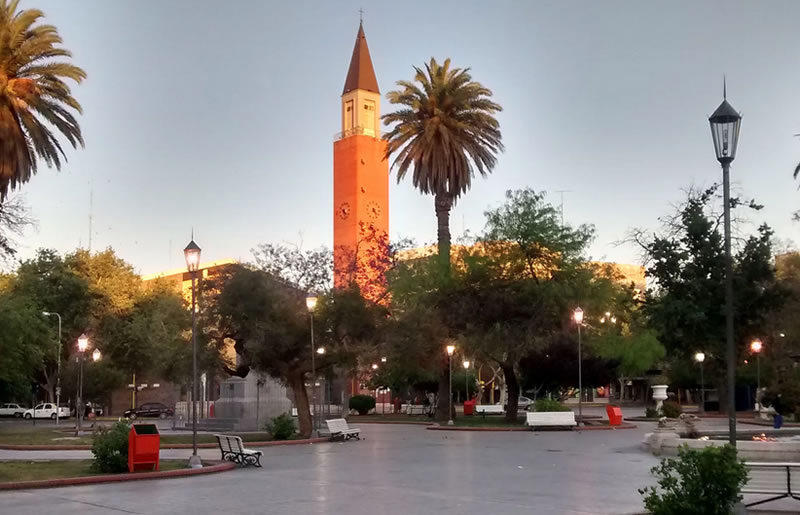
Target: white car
(11,410)
(46,410)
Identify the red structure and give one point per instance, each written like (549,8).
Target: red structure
(360,179)
(614,415)
(144,444)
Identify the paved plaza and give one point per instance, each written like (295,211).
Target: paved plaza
(396,470)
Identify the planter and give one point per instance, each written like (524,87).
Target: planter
(659,394)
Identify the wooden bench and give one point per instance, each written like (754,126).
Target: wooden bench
(778,480)
(550,419)
(232,450)
(338,428)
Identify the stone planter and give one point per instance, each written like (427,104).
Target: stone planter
(659,394)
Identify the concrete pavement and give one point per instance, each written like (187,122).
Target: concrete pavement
(396,470)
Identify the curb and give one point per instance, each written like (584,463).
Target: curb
(165,446)
(392,422)
(463,428)
(115,478)
(604,428)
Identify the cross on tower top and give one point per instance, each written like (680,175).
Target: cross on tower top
(361,15)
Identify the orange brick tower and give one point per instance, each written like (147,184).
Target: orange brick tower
(360,178)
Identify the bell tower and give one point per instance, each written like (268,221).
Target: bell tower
(360,177)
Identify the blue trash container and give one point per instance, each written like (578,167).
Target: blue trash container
(777,422)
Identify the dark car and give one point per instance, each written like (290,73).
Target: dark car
(152,409)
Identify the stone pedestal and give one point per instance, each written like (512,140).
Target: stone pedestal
(252,401)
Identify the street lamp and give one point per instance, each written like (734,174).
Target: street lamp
(577,315)
(466,379)
(755,347)
(450,350)
(311,305)
(725,123)
(58,365)
(700,357)
(192,255)
(83,344)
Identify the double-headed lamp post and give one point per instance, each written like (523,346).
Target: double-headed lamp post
(700,357)
(725,123)
(466,379)
(192,255)
(83,344)
(311,305)
(577,315)
(58,365)
(755,347)
(450,350)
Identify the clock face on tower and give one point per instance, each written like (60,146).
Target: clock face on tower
(343,211)
(373,210)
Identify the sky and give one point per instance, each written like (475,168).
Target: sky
(219,116)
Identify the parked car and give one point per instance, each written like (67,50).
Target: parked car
(46,410)
(151,409)
(522,404)
(11,410)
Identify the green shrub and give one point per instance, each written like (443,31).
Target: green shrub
(651,413)
(698,482)
(110,448)
(671,409)
(362,403)
(545,404)
(281,427)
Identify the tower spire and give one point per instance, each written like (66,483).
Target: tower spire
(361,74)
(724,88)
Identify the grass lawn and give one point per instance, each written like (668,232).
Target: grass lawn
(49,436)
(24,470)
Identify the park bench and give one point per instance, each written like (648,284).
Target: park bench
(550,419)
(489,409)
(232,450)
(338,428)
(414,409)
(779,480)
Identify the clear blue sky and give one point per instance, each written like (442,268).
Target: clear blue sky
(221,115)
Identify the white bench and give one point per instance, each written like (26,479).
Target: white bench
(338,428)
(550,419)
(414,409)
(489,409)
(779,480)
(232,450)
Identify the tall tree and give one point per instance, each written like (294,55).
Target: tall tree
(34,95)
(445,131)
(686,262)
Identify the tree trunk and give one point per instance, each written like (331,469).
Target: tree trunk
(512,385)
(443,413)
(297,384)
(443,203)
(621,389)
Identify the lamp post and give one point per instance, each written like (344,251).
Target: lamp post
(612,320)
(58,366)
(700,357)
(466,380)
(725,123)
(192,255)
(311,305)
(450,350)
(755,347)
(578,317)
(83,344)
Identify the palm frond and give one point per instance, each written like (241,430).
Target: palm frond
(36,104)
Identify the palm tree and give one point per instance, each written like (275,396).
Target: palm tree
(34,97)
(445,130)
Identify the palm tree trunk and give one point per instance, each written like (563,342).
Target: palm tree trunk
(443,204)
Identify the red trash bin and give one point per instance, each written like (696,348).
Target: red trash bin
(614,415)
(144,443)
(469,407)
